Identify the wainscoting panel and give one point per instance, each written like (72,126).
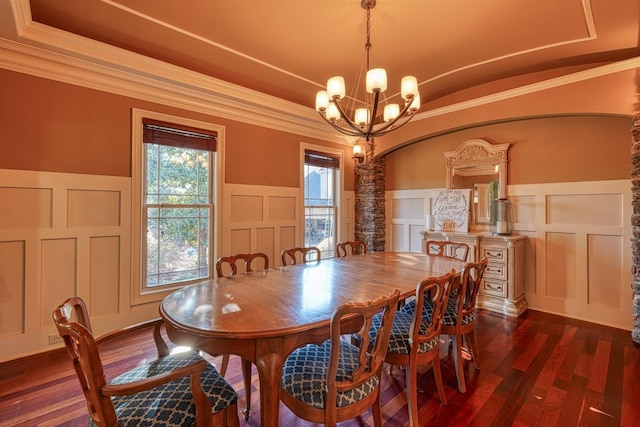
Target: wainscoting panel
(561,266)
(25,208)
(260,219)
(265,243)
(287,237)
(583,250)
(246,208)
(103,261)
(282,208)
(592,209)
(59,275)
(93,208)
(70,234)
(578,255)
(397,237)
(63,235)
(12,288)
(406,218)
(602,252)
(240,242)
(348,230)
(270,219)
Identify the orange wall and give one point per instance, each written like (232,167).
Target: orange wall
(543,150)
(58,127)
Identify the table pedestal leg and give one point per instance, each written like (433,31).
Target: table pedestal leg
(269,363)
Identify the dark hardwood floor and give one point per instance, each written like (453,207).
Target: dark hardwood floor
(537,370)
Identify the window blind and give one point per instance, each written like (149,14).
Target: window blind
(161,133)
(324,160)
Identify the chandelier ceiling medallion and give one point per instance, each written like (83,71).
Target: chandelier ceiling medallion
(367,123)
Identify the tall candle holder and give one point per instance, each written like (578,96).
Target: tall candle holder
(502,217)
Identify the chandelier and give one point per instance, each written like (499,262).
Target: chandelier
(366,122)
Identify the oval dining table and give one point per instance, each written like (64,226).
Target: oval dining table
(263,316)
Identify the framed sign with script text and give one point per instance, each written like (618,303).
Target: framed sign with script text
(451,210)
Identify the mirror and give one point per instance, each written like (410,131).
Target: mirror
(482,167)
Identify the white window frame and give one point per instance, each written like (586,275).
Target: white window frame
(340,218)
(140,294)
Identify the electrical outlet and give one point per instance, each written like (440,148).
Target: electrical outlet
(54,339)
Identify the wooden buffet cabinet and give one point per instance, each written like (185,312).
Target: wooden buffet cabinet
(502,289)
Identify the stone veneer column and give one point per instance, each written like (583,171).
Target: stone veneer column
(635,224)
(369,206)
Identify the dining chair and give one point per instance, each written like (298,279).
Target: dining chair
(459,317)
(447,248)
(335,380)
(414,339)
(349,247)
(173,390)
(294,255)
(229,265)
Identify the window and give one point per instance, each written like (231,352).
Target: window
(321,195)
(177,204)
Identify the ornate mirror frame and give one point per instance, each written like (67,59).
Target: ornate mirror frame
(478,157)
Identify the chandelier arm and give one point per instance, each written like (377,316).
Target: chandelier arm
(392,122)
(352,125)
(340,129)
(376,99)
(385,130)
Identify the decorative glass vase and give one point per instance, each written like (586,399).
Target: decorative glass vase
(502,217)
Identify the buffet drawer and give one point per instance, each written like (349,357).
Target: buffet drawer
(496,271)
(494,287)
(494,254)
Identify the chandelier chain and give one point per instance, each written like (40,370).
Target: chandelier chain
(367,46)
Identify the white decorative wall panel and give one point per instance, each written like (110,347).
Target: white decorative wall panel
(561,266)
(406,218)
(592,209)
(12,288)
(604,256)
(246,208)
(282,208)
(59,275)
(104,275)
(63,235)
(25,208)
(577,258)
(397,238)
(89,208)
(270,219)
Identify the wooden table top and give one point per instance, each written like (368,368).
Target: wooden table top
(286,300)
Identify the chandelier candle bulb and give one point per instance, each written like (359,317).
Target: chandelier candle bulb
(362,117)
(332,112)
(391,111)
(409,87)
(376,80)
(415,104)
(322,100)
(335,87)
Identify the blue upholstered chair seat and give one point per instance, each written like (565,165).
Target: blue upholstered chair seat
(399,339)
(304,374)
(427,309)
(450,314)
(170,404)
